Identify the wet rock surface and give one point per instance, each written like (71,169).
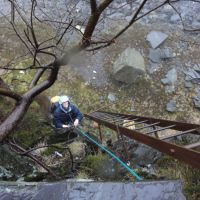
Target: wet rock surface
(12,166)
(93,190)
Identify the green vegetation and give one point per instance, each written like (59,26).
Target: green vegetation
(33,128)
(173,169)
(101,167)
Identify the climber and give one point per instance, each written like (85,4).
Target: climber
(65,114)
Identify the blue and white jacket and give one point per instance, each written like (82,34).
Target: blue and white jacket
(62,115)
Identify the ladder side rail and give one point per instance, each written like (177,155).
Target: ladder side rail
(181,126)
(186,155)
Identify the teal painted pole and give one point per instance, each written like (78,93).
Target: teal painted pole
(112,155)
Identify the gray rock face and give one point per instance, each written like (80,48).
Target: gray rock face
(166,53)
(188,84)
(193,75)
(12,165)
(5,174)
(144,155)
(128,66)
(156,55)
(111,97)
(170,80)
(156,38)
(152,190)
(153,67)
(174,18)
(196,98)
(171,106)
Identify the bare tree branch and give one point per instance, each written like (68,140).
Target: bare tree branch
(29,40)
(179,14)
(104,5)
(133,20)
(18,112)
(93,5)
(19,69)
(21,150)
(3,85)
(54,146)
(32,28)
(34,91)
(43,146)
(12,12)
(10,94)
(92,22)
(18,11)
(37,77)
(64,33)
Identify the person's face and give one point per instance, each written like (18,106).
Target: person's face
(65,104)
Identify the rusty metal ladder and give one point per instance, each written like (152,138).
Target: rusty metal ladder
(151,131)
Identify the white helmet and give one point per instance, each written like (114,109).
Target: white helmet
(63,99)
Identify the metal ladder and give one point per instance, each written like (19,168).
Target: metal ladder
(151,131)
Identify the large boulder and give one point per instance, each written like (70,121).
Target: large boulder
(139,154)
(128,66)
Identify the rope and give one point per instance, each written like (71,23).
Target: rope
(111,154)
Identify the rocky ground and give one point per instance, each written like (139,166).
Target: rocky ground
(162,90)
(159,92)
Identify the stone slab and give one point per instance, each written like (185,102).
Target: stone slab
(156,38)
(151,190)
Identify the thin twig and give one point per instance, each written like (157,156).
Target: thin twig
(21,149)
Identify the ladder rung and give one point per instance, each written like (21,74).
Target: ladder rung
(149,125)
(104,117)
(107,117)
(112,120)
(135,119)
(117,117)
(119,120)
(192,146)
(129,120)
(141,122)
(160,129)
(112,116)
(178,134)
(125,122)
(133,123)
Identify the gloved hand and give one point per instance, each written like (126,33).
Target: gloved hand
(65,126)
(76,122)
